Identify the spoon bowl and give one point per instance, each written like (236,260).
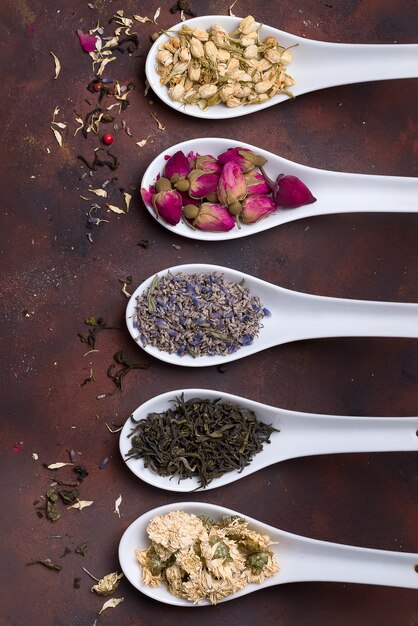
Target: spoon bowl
(301,559)
(315,65)
(300,434)
(336,192)
(294,316)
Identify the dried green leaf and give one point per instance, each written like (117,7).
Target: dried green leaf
(111,604)
(57,64)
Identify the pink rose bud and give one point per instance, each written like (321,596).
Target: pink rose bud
(202,184)
(245,158)
(256,184)
(290,192)
(177,164)
(208,164)
(231,187)
(214,217)
(254,208)
(147,194)
(88,42)
(168,205)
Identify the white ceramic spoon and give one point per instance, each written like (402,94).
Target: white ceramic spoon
(301,434)
(301,559)
(294,316)
(336,192)
(315,65)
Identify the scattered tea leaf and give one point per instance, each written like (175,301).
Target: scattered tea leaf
(76,582)
(55,466)
(114,208)
(118,502)
(47,563)
(52,511)
(81,504)
(81,549)
(160,126)
(66,551)
(111,604)
(57,136)
(127,366)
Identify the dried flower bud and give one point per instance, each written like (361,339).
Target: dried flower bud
(254,208)
(272,55)
(256,184)
(200,34)
(247,25)
(154,36)
(162,184)
(194,71)
(235,208)
(177,164)
(212,197)
(184,54)
(214,217)
(196,48)
(223,55)
(263,86)
(168,205)
(241,92)
(233,102)
(251,52)
(176,93)
(270,41)
(226,92)
(233,66)
(191,211)
(243,157)
(286,57)
(175,42)
(208,164)
(219,35)
(164,57)
(201,183)
(290,192)
(182,184)
(211,51)
(206,91)
(247,41)
(231,187)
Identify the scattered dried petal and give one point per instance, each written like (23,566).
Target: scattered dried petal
(35,457)
(115,430)
(114,208)
(128,198)
(81,504)
(87,41)
(160,126)
(142,143)
(118,502)
(55,466)
(230,9)
(108,584)
(156,15)
(99,192)
(57,136)
(141,19)
(111,604)
(57,64)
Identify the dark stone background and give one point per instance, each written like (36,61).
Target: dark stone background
(53,278)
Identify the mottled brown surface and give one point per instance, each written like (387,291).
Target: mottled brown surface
(53,278)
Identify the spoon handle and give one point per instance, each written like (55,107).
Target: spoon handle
(309,317)
(306,434)
(305,559)
(327,64)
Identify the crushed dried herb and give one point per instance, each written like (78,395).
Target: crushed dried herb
(127,366)
(52,511)
(81,549)
(47,563)
(182,6)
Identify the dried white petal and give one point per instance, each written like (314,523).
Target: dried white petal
(114,208)
(57,135)
(57,64)
(99,192)
(118,502)
(141,19)
(156,15)
(231,7)
(160,126)
(128,198)
(81,504)
(111,604)
(55,466)
(142,143)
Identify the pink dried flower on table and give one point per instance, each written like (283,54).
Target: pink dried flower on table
(88,42)
(168,205)
(290,192)
(231,187)
(254,208)
(214,217)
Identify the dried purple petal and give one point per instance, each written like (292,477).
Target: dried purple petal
(290,192)
(254,208)
(88,42)
(103,463)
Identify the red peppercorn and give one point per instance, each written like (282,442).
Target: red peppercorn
(108,139)
(97,86)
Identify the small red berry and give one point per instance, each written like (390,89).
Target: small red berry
(108,139)
(97,86)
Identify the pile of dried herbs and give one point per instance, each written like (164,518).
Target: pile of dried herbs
(200,438)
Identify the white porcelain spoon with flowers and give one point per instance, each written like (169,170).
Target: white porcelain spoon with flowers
(265,201)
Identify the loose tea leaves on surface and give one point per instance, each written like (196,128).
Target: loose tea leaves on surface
(198,437)
(198,314)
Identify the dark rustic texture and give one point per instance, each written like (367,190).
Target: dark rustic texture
(53,278)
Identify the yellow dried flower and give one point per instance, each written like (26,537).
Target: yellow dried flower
(272,55)
(211,51)
(247,25)
(251,52)
(194,72)
(206,91)
(233,102)
(196,48)
(164,57)
(263,87)
(223,55)
(200,34)
(286,57)
(184,54)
